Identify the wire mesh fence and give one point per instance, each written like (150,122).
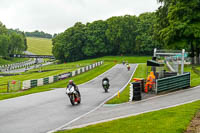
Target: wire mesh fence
(174,59)
(14,86)
(3,88)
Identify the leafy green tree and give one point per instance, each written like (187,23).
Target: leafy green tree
(4,43)
(16,45)
(121,34)
(11,41)
(127,35)
(96,43)
(58,46)
(3,29)
(145,43)
(74,38)
(37,33)
(183,28)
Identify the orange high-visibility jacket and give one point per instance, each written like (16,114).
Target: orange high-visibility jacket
(151,77)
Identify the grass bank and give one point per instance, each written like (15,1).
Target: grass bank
(130,59)
(124,95)
(47,71)
(109,61)
(172,120)
(141,73)
(11,60)
(40,46)
(195,76)
(79,79)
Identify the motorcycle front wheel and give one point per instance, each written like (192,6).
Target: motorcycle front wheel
(105,88)
(71,97)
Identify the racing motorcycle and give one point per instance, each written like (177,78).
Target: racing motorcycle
(74,95)
(105,85)
(128,67)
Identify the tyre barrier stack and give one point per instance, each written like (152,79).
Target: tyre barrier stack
(27,84)
(135,91)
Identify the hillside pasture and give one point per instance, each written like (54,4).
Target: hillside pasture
(39,46)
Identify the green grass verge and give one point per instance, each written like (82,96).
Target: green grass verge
(130,59)
(40,46)
(12,60)
(124,95)
(172,120)
(84,77)
(34,74)
(62,68)
(195,78)
(141,73)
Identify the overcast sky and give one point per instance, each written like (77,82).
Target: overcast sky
(55,16)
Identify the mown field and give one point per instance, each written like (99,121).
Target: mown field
(40,46)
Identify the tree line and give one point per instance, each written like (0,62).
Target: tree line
(122,35)
(11,41)
(178,25)
(174,25)
(37,33)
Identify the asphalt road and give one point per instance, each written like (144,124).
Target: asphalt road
(112,112)
(46,111)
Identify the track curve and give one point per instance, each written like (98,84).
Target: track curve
(45,111)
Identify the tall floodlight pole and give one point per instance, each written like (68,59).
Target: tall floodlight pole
(182,61)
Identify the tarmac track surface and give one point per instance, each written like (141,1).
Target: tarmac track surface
(46,111)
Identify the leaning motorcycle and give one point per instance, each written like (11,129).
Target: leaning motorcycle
(74,95)
(105,85)
(128,67)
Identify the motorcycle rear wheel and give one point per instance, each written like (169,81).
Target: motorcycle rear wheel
(79,95)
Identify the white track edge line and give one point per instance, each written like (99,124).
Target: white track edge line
(125,116)
(59,128)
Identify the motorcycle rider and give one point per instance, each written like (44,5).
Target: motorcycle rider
(71,82)
(128,67)
(105,79)
(123,62)
(74,97)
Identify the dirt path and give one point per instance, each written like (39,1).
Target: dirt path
(194,126)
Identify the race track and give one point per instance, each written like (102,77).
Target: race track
(46,111)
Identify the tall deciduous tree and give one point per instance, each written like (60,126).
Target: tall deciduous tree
(145,43)
(11,41)
(183,24)
(96,43)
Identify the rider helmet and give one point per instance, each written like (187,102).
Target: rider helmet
(71,82)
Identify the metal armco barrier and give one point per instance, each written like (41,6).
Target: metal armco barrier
(42,81)
(31,56)
(46,80)
(173,83)
(33,83)
(55,78)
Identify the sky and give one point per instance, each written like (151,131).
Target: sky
(55,16)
